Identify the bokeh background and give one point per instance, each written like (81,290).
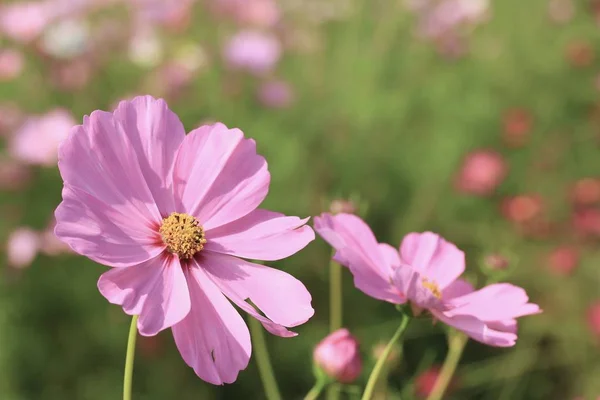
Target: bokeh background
(476,119)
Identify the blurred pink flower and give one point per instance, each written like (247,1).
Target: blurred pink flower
(14,175)
(563,260)
(254,51)
(21,247)
(276,94)
(425,272)
(338,355)
(24,21)
(440,18)
(36,141)
(561,11)
(593,318)
(425,382)
(586,222)
(586,191)
(11,64)
(517,125)
(175,247)
(259,13)
(481,172)
(496,262)
(342,206)
(169,13)
(523,208)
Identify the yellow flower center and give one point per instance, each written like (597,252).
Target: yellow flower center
(432,287)
(182,234)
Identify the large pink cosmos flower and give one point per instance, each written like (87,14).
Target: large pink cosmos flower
(171,214)
(425,272)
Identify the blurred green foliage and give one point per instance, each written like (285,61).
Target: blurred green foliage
(379,114)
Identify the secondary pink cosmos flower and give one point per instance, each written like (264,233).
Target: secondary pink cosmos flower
(425,272)
(172,214)
(254,51)
(338,355)
(36,141)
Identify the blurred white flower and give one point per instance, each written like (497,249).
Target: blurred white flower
(66,39)
(21,247)
(146,49)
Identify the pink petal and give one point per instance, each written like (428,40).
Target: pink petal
(213,339)
(218,175)
(495,302)
(261,235)
(98,158)
(458,288)
(441,261)
(358,249)
(282,298)
(478,330)
(155,133)
(114,235)
(509,325)
(390,255)
(155,290)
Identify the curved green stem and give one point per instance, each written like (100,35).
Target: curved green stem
(316,390)
(335,312)
(456,345)
(261,355)
(368,393)
(128,378)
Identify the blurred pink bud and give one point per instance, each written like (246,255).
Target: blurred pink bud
(496,262)
(593,318)
(586,222)
(338,355)
(481,172)
(11,64)
(254,51)
(561,11)
(517,125)
(276,94)
(579,53)
(22,247)
(36,141)
(563,260)
(523,208)
(13,174)
(586,191)
(425,382)
(338,206)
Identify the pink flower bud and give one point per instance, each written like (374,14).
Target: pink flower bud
(523,208)
(338,356)
(593,318)
(517,124)
(425,382)
(22,247)
(586,191)
(563,260)
(481,172)
(496,262)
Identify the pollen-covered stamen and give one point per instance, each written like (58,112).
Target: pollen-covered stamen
(182,234)
(432,287)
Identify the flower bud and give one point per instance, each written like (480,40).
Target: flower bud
(338,355)
(481,172)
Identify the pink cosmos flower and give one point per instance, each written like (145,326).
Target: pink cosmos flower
(36,141)
(338,355)
(481,172)
(173,214)
(426,272)
(22,247)
(254,51)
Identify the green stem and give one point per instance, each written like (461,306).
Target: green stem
(335,296)
(456,345)
(316,390)
(128,378)
(335,312)
(261,355)
(368,393)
